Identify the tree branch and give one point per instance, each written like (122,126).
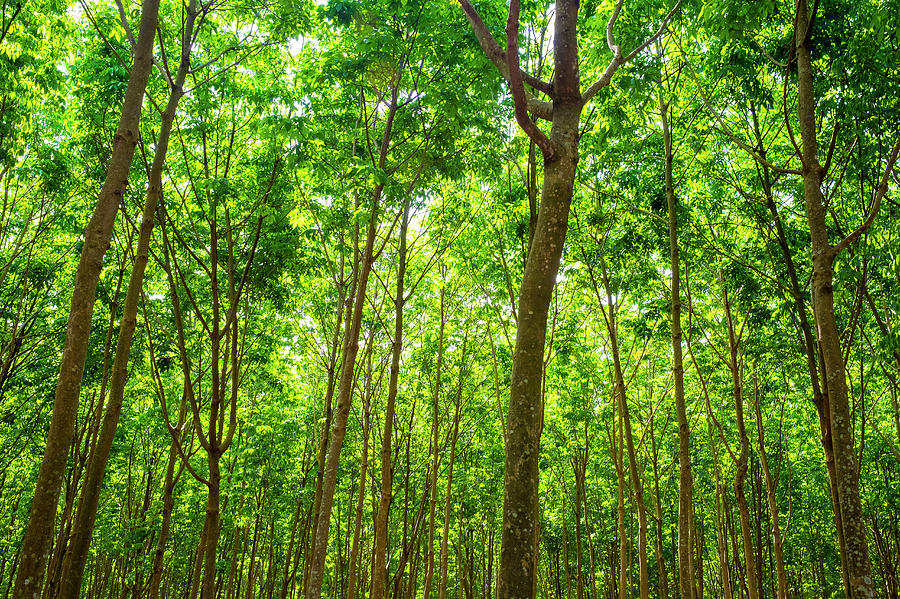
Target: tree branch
(618,58)
(540,108)
(517,87)
(876,203)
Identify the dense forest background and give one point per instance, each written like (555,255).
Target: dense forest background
(285,308)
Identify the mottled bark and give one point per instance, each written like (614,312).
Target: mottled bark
(83,528)
(41,521)
(857,563)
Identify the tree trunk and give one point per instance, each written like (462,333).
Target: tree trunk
(42,518)
(435,446)
(740,463)
(76,557)
(345,389)
(858,566)
(379,573)
(685,481)
(354,547)
(442,585)
(777,540)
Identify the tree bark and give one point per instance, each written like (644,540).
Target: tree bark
(685,481)
(83,528)
(42,518)
(379,573)
(345,387)
(858,566)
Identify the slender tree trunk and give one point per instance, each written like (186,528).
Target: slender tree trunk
(41,521)
(740,475)
(76,557)
(858,566)
(168,504)
(686,481)
(662,572)
(379,573)
(610,311)
(777,540)
(618,451)
(442,586)
(345,388)
(354,547)
(435,446)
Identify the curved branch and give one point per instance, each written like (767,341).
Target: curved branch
(517,86)
(876,203)
(540,108)
(618,58)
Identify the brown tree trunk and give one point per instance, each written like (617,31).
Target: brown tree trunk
(168,504)
(345,388)
(445,537)
(857,564)
(83,528)
(740,475)
(42,518)
(379,573)
(660,558)
(435,447)
(777,539)
(360,500)
(610,316)
(686,481)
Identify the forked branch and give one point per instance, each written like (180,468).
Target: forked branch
(540,108)
(618,58)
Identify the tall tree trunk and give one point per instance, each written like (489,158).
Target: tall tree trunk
(445,536)
(360,500)
(740,463)
(76,557)
(685,481)
(777,539)
(858,566)
(345,388)
(42,518)
(435,448)
(379,573)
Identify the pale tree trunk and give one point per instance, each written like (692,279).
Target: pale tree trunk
(42,518)
(857,564)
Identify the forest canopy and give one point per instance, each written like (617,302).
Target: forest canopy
(449,299)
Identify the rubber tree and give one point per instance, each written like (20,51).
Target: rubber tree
(857,563)
(82,530)
(559,149)
(97,235)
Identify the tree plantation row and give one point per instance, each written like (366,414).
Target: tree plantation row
(449,299)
